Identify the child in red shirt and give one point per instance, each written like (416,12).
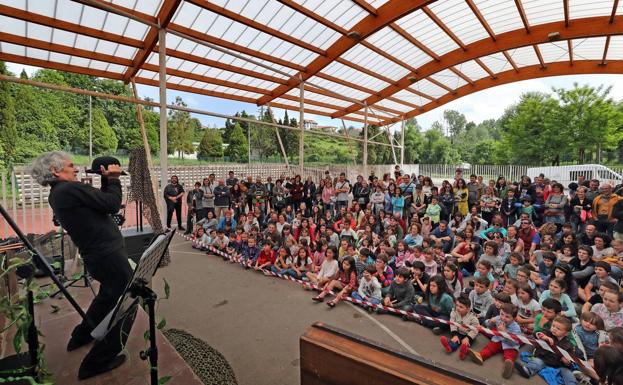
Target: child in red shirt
(266,258)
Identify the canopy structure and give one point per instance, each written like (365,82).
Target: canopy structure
(375,61)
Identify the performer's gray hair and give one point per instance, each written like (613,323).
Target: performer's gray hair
(41,168)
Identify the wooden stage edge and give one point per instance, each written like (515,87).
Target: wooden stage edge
(332,356)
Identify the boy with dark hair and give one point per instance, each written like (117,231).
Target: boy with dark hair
(400,293)
(550,308)
(498,300)
(461,337)
(419,280)
(266,257)
(558,335)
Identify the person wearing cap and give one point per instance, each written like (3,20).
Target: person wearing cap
(84,212)
(173,194)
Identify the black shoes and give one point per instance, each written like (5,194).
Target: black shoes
(181,228)
(87,372)
(75,343)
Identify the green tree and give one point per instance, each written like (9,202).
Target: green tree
(455,122)
(8,123)
(414,141)
(437,148)
(211,145)
(238,149)
(180,130)
(104,138)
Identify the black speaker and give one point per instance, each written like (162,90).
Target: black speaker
(137,241)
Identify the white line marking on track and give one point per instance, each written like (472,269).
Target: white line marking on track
(189,252)
(386,329)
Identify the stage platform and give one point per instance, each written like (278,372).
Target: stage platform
(56,326)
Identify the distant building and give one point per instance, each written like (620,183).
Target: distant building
(310,124)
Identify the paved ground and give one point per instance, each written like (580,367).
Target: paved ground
(256,321)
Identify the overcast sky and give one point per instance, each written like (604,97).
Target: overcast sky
(477,107)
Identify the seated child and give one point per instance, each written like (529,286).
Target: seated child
(419,280)
(328,269)
(510,287)
(400,293)
(588,335)
(201,239)
(299,265)
(599,297)
(369,288)
(498,300)
(280,265)
(266,258)
(249,253)
(505,322)
(484,269)
(557,335)
(384,273)
(528,308)
(510,270)
(439,304)
(345,282)
(461,337)
(557,290)
(429,262)
(480,297)
(602,274)
(550,308)
(545,268)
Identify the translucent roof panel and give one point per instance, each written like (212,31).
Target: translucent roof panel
(344,13)
(524,56)
(472,70)
(411,97)
(502,16)
(393,105)
(615,51)
(429,88)
(372,61)
(150,7)
(277,16)
(589,49)
(543,11)
(580,9)
(449,78)
(496,62)
(457,15)
(349,74)
(554,52)
(421,27)
(396,45)
(339,88)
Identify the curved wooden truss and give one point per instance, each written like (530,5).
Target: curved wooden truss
(358,62)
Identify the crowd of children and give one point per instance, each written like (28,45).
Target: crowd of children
(522,257)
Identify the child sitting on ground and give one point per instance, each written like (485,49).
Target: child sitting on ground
(588,335)
(484,269)
(369,288)
(461,337)
(400,294)
(328,269)
(505,322)
(429,262)
(346,282)
(419,281)
(557,290)
(498,300)
(266,258)
(201,239)
(557,335)
(480,298)
(550,308)
(510,270)
(439,304)
(249,253)
(528,308)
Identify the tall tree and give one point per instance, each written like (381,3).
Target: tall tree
(180,130)
(455,122)
(8,123)
(211,145)
(104,139)
(238,149)
(413,141)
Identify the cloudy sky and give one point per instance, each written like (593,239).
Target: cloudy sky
(477,107)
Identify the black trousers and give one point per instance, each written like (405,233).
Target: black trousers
(113,272)
(178,213)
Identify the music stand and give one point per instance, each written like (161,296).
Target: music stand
(138,288)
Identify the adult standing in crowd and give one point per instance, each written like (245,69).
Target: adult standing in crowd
(173,193)
(208,196)
(221,198)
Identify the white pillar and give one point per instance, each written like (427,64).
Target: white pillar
(402,142)
(365,141)
(162,77)
(302,125)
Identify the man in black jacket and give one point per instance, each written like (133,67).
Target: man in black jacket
(84,212)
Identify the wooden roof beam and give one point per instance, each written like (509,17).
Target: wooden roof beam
(52,47)
(167,10)
(388,13)
(414,41)
(461,75)
(420,94)
(256,25)
(59,66)
(69,27)
(481,18)
(221,65)
(613,14)
(444,27)
(234,47)
(312,15)
(522,14)
(366,6)
(537,51)
(364,70)
(580,28)
(510,59)
(387,56)
(439,84)
(105,5)
(570,50)
(485,68)
(511,76)
(605,55)
(565,7)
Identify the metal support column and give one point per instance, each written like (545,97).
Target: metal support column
(302,124)
(162,77)
(365,141)
(402,142)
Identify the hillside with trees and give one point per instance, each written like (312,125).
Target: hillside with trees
(577,125)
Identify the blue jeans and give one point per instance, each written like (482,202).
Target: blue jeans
(292,273)
(426,311)
(536,364)
(356,296)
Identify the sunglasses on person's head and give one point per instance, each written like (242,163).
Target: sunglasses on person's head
(525,223)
